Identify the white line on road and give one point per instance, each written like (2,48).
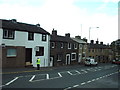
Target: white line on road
(84,71)
(78,72)
(69,72)
(83,83)
(88,81)
(75,85)
(59,74)
(11,81)
(32,78)
(47,76)
(93,80)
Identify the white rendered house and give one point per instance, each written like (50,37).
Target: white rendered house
(22,43)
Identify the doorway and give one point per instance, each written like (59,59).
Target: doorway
(67,59)
(51,61)
(28,59)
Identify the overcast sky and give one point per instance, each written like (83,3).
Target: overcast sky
(67,16)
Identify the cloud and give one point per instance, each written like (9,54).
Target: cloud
(64,16)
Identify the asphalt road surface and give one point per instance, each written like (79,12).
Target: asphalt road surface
(70,77)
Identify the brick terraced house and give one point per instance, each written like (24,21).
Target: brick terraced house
(63,49)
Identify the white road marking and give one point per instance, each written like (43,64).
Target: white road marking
(69,72)
(75,85)
(93,80)
(78,72)
(32,78)
(12,81)
(84,71)
(97,78)
(67,88)
(83,83)
(47,76)
(59,74)
(88,81)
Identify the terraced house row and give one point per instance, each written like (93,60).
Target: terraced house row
(22,43)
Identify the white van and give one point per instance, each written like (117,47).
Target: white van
(90,61)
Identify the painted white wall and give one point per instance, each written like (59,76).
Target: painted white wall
(21,39)
(1,32)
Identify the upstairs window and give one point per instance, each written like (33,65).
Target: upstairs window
(69,45)
(30,36)
(8,34)
(44,37)
(75,46)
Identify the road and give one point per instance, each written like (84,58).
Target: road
(78,76)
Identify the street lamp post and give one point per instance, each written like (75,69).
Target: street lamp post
(90,29)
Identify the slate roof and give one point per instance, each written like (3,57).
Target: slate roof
(59,38)
(19,26)
(98,46)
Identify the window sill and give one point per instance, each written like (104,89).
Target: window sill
(11,56)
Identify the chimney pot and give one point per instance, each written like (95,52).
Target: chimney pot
(67,34)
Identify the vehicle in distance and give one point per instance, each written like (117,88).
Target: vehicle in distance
(116,62)
(90,61)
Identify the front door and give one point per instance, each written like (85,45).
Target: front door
(80,57)
(51,61)
(28,58)
(67,59)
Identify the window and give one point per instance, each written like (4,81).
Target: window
(30,36)
(52,45)
(40,52)
(8,34)
(69,45)
(73,56)
(59,57)
(80,46)
(75,46)
(11,52)
(61,45)
(44,37)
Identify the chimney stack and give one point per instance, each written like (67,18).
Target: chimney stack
(78,37)
(101,43)
(67,34)
(92,41)
(54,32)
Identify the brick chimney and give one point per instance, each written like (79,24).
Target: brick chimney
(54,32)
(92,41)
(101,43)
(97,42)
(67,34)
(78,37)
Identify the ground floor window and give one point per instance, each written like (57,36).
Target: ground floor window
(40,51)
(59,57)
(73,56)
(11,52)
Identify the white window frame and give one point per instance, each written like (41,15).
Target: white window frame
(68,45)
(61,45)
(75,46)
(10,53)
(80,46)
(9,34)
(72,58)
(53,45)
(58,58)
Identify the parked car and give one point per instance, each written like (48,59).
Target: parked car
(116,62)
(90,61)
